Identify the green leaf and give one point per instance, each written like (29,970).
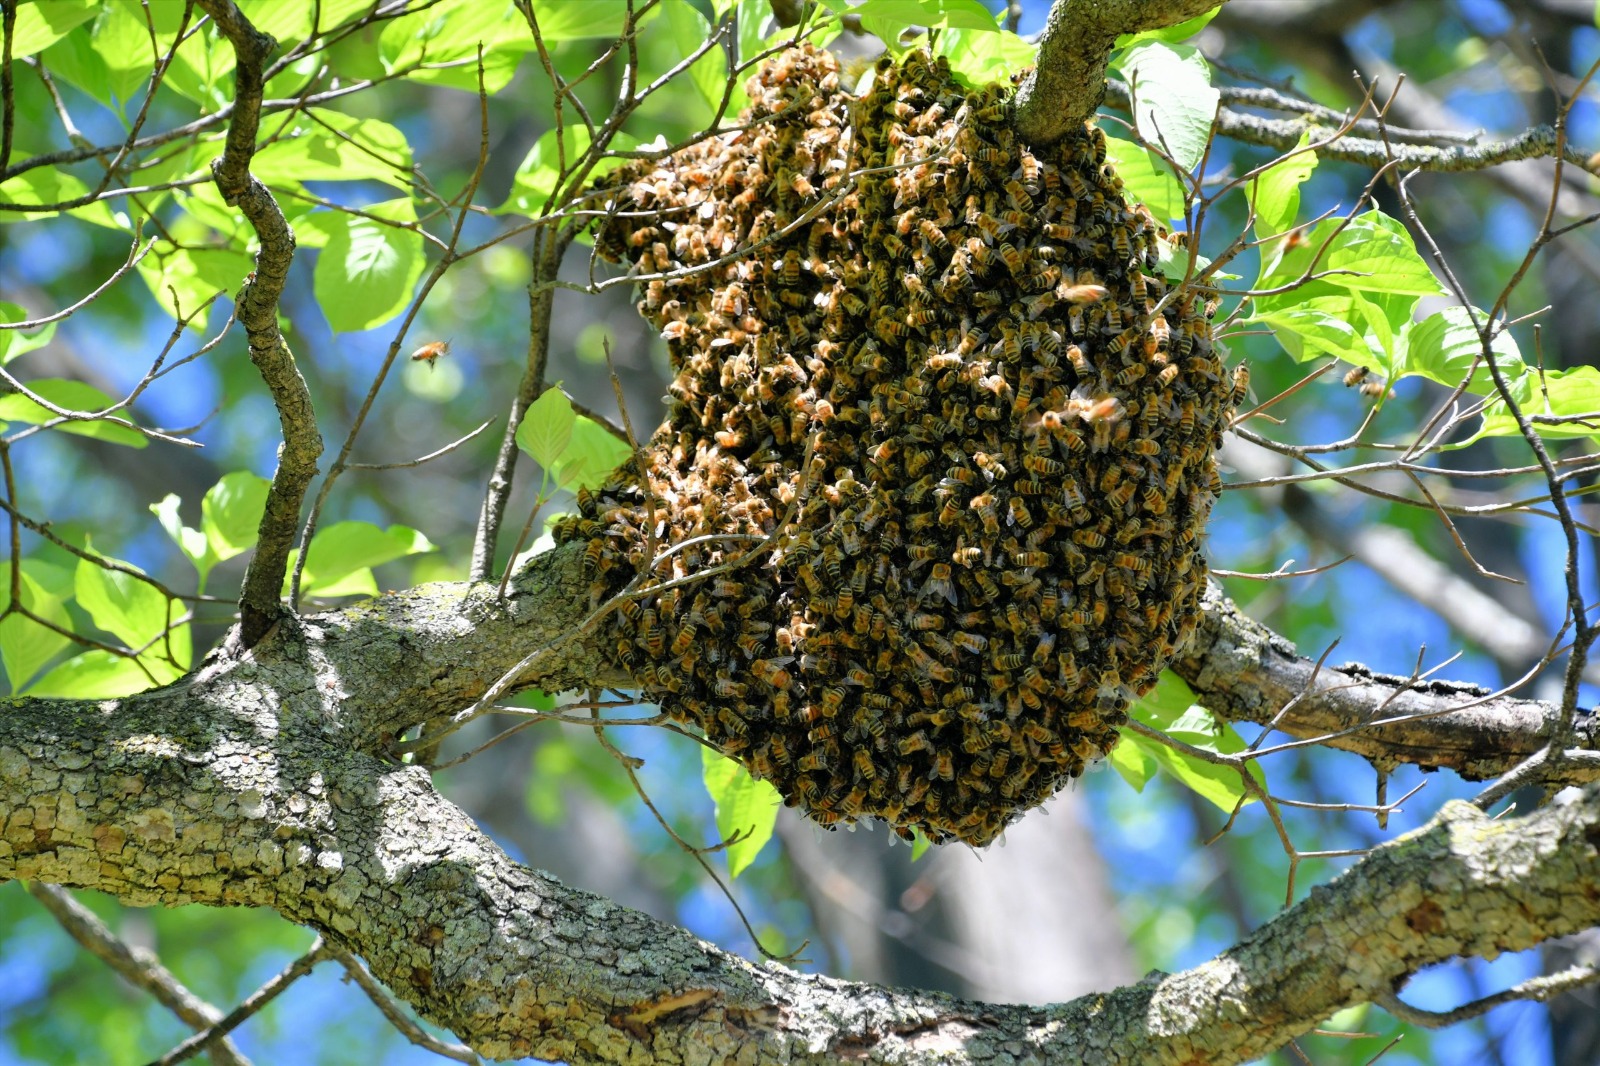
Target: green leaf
(230,513)
(366,272)
(15,342)
(1170,707)
(887,19)
(291,23)
(134,611)
(1275,194)
(25,645)
(745,806)
(1375,250)
(1308,333)
(753,16)
(919,846)
(325,145)
(979,57)
(195,275)
(450,32)
(535,180)
(1574,392)
(342,556)
(49,185)
(94,675)
(1147,178)
(39,25)
(73,396)
(1172,34)
(590,456)
(122,40)
(1442,347)
(546,429)
(1174,101)
(191,542)
(1132,763)
(708,74)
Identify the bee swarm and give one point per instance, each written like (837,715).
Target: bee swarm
(993,547)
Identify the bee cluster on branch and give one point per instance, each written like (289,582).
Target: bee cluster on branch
(940,415)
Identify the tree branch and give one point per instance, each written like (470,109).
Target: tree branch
(1243,671)
(260,601)
(249,785)
(1068,82)
(136,966)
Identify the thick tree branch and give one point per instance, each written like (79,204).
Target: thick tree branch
(249,785)
(260,600)
(1068,82)
(1245,672)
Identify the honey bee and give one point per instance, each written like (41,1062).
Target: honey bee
(1079,362)
(1012,258)
(939,584)
(1353,377)
(967,557)
(1241,385)
(727,688)
(1043,466)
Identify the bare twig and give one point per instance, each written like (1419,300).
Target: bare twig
(135,965)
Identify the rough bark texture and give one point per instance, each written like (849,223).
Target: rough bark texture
(1070,79)
(261,780)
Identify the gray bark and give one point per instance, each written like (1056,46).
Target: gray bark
(262,780)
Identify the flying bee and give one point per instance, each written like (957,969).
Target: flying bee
(1082,294)
(429,353)
(1355,376)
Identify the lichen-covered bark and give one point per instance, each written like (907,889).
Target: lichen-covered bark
(1069,80)
(262,781)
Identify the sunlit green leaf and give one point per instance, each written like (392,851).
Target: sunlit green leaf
(40,25)
(1573,394)
(290,23)
(342,556)
(1132,763)
(15,342)
(191,542)
(326,145)
(979,57)
(708,74)
(25,645)
(1275,195)
(195,275)
(1147,178)
(93,675)
(888,19)
(230,513)
(1172,34)
(50,185)
(1170,708)
(535,179)
(367,270)
(69,395)
(1444,346)
(546,429)
(745,808)
(121,603)
(1174,101)
(590,456)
